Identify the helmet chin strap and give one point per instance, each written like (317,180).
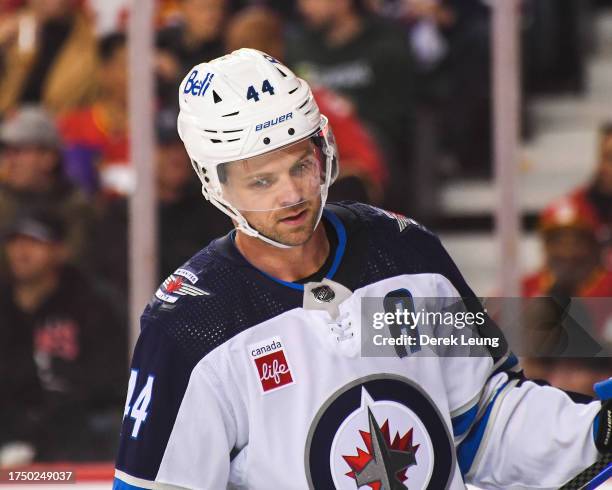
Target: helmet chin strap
(249,230)
(245,227)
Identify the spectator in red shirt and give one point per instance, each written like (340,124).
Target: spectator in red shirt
(573,264)
(572,268)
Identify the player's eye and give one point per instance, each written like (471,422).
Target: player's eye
(260,183)
(302,167)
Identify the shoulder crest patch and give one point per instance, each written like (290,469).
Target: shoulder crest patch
(181,283)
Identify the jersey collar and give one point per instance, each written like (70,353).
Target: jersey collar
(339,253)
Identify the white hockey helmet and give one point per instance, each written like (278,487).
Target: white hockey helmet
(243,105)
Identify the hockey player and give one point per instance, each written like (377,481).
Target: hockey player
(248,372)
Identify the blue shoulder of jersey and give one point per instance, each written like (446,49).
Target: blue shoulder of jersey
(211,298)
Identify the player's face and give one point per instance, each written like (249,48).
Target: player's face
(279,193)
(292,226)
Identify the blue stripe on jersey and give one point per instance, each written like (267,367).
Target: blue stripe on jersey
(507,364)
(341,233)
(463,422)
(292,285)
(466,451)
(121,485)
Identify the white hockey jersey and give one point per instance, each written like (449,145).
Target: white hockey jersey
(241,380)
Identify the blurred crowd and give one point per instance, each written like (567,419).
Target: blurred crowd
(405,85)
(576,233)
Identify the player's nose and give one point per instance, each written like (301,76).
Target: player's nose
(292,190)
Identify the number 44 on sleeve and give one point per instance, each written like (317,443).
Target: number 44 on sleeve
(139,410)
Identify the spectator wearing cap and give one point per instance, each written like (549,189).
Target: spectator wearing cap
(33,177)
(49,57)
(572,268)
(363,172)
(186,222)
(63,348)
(96,136)
(573,264)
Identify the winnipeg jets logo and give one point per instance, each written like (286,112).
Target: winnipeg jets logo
(380,463)
(381,432)
(384,463)
(181,283)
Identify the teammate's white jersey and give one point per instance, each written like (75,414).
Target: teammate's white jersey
(242,379)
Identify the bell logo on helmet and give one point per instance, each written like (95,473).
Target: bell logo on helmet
(274,122)
(197,87)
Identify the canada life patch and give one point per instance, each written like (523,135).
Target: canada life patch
(271,364)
